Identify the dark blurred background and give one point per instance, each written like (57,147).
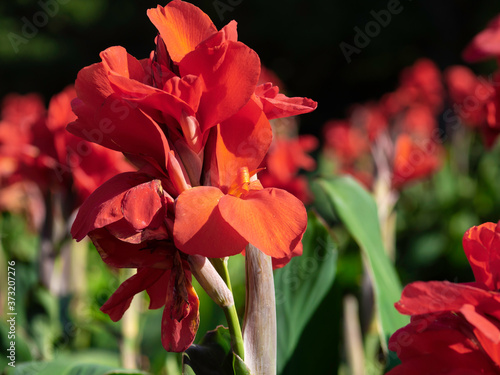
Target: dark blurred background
(298,39)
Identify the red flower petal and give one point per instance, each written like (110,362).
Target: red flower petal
(276,105)
(158,292)
(120,300)
(178,95)
(242,141)
(281,262)
(119,126)
(141,203)
(119,254)
(272,220)
(182,27)
(199,227)
(177,334)
(486,44)
(230,72)
(482,248)
(116,60)
(92,86)
(103,207)
(438,296)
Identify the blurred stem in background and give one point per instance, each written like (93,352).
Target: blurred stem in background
(47,254)
(130,353)
(352,336)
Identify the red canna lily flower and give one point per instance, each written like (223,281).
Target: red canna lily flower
(475,100)
(413,160)
(371,116)
(439,344)
(345,141)
(195,123)
(455,319)
(220,220)
(484,45)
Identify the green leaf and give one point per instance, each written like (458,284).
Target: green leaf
(358,212)
(301,286)
(68,367)
(213,356)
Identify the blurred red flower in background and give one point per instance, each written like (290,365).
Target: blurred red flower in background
(39,157)
(395,139)
(486,44)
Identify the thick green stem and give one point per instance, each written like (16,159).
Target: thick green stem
(235,330)
(230,311)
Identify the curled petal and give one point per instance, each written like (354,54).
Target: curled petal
(276,105)
(272,220)
(118,61)
(103,207)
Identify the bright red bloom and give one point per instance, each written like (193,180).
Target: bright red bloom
(465,316)
(345,141)
(419,84)
(372,118)
(439,344)
(470,93)
(413,160)
(194,121)
(220,220)
(419,122)
(486,44)
(475,101)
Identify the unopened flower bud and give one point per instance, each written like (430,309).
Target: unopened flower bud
(210,280)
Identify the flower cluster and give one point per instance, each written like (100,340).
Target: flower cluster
(195,122)
(454,326)
(39,156)
(395,138)
(475,99)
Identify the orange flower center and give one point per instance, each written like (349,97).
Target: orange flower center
(241,184)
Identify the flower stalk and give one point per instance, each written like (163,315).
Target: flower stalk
(259,324)
(230,310)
